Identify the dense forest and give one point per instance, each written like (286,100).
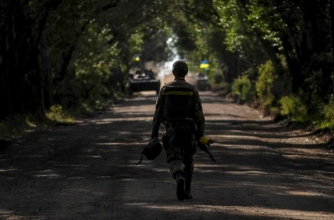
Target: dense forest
(77,54)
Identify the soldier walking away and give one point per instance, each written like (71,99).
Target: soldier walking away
(179,108)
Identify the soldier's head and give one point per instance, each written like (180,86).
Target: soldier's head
(180,68)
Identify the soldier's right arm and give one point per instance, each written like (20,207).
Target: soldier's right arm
(199,118)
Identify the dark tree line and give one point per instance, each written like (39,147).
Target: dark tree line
(42,41)
(51,49)
(244,38)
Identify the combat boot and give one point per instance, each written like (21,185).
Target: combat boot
(188,194)
(180,184)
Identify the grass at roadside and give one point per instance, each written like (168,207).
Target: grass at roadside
(15,126)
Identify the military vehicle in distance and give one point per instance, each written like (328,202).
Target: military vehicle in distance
(200,80)
(143,81)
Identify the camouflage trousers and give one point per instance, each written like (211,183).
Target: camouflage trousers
(180,146)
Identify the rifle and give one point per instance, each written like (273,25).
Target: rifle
(203,144)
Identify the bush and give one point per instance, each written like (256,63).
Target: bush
(272,84)
(218,84)
(294,108)
(242,87)
(327,114)
(264,83)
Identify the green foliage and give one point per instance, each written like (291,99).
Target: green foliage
(218,83)
(56,113)
(240,35)
(91,87)
(329,111)
(294,108)
(243,88)
(15,126)
(88,47)
(324,116)
(272,84)
(104,38)
(233,21)
(266,19)
(265,83)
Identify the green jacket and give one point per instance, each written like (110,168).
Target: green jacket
(197,114)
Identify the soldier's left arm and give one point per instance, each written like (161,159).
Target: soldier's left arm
(158,114)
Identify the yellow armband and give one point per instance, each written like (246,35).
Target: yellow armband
(205,140)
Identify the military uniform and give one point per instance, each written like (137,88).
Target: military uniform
(179,107)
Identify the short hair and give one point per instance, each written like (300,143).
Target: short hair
(180,68)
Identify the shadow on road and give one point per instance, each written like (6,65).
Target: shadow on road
(88,171)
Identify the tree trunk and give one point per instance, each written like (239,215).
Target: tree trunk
(21,79)
(332,38)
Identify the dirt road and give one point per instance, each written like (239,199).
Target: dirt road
(87,171)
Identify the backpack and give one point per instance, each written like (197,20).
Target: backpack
(178,103)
